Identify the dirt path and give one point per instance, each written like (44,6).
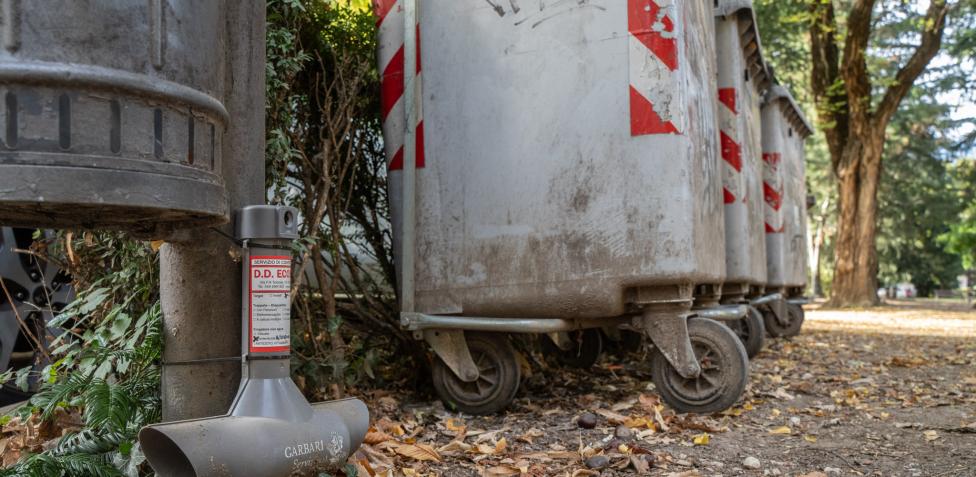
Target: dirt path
(880,392)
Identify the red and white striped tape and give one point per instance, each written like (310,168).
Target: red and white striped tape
(773,192)
(728,116)
(389,21)
(654,31)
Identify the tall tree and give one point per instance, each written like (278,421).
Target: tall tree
(854,109)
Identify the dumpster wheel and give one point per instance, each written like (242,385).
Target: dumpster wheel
(584,350)
(796,316)
(751,330)
(724,370)
(497,382)
(791,325)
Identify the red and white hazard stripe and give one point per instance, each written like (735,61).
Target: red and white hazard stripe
(728,116)
(654,32)
(389,21)
(773,192)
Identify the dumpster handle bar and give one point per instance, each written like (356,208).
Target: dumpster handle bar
(723,312)
(767,299)
(421,321)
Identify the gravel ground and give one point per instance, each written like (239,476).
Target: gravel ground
(887,391)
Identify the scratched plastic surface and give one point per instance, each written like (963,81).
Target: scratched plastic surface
(570,155)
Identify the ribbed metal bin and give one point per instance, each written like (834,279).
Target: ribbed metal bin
(784,131)
(742,80)
(109,114)
(567,158)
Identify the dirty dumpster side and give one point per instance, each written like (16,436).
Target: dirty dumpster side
(585,167)
(784,131)
(743,78)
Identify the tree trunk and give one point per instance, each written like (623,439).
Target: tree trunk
(818,243)
(856,259)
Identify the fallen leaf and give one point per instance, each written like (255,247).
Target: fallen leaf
(529,435)
(585,473)
(501,445)
(612,417)
(810,438)
(781,430)
(502,471)
(455,446)
(454,424)
(421,452)
(701,439)
(374,436)
(931,435)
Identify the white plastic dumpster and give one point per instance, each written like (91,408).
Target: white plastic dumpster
(566,160)
(784,189)
(742,79)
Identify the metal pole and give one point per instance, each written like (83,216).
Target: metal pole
(409,155)
(199,276)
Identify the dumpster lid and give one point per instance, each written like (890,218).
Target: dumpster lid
(790,109)
(749,35)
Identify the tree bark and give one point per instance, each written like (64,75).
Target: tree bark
(856,261)
(818,243)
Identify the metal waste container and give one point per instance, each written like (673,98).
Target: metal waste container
(784,130)
(566,178)
(743,77)
(109,116)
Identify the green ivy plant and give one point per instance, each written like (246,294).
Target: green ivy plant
(105,364)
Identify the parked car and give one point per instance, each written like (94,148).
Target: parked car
(905,290)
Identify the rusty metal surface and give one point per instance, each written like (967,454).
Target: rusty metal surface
(540,202)
(112,114)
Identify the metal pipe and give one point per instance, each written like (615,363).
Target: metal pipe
(409,156)
(420,321)
(798,301)
(766,299)
(723,312)
(251,446)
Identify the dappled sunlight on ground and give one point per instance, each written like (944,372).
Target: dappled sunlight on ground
(902,317)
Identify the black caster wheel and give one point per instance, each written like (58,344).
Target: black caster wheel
(794,321)
(724,371)
(796,316)
(751,331)
(497,383)
(584,351)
